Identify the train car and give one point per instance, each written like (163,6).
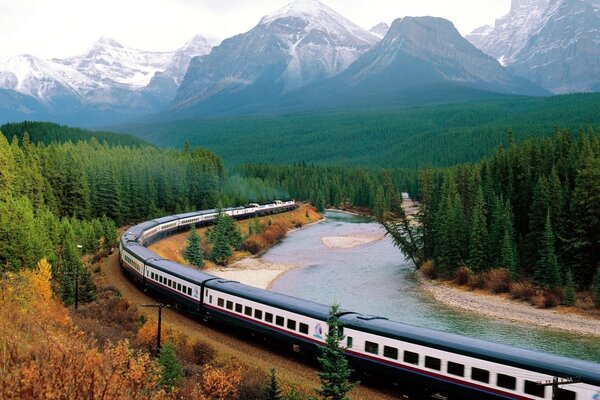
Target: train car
(466,367)
(182,284)
(299,322)
(136,233)
(133,258)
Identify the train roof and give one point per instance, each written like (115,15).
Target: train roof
(140,252)
(289,303)
(178,270)
(587,371)
(164,220)
(189,214)
(138,229)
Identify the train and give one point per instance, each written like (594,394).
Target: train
(458,367)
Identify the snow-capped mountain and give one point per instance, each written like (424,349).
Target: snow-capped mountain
(299,44)
(563,55)
(512,31)
(106,79)
(380,30)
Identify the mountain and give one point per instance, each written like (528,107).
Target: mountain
(420,60)
(109,82)
(563,55)
(301,43)
(512,31)
(380,29)
(554,43)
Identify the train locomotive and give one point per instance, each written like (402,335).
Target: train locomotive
(458,366)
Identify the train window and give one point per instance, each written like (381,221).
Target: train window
(480,375)
(433,363)
(303,328)
(279,320)
(506,381)
(220,302)
(411,358)
(229,305)
(190,291)
(179,287)
(291,324)
(390,352)
(238,307)
(534,389)
(258,314)
(456,369)
(269,317)
(210,299)
(371,347)
(564,394)
(349,342)
(248,311)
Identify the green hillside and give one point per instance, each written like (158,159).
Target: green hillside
(402,137)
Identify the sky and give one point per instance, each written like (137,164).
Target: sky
(62,28)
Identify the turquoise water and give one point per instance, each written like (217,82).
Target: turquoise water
(376,279)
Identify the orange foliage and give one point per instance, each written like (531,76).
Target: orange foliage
(271,235)
(220,384)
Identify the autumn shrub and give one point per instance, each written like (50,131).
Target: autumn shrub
(546,299)
(255,244)
(521,290)
(203,353)
(498,280)
(476,281)
(428,270)
(462,275)
(221,383)
(251,384)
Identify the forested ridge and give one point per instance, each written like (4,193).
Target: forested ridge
(407,137)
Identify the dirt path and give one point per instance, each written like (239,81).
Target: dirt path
(288,370)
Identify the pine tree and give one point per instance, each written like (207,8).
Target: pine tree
(478,250)
(570,296)
(335,372)
(379,206)
(320,202)
(508,257)
(193,253)
(171,370)
(547,270)
(272,391)
(596,287)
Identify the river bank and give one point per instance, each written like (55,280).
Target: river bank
(498,307)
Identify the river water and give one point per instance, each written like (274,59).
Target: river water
(376,279)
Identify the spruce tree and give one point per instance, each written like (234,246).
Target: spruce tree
(171,371)
(596,287)
(547,270)
(335,371)
(570,296)
(320,202)
(193,253)
(272,391)
(478,250)
(508,258)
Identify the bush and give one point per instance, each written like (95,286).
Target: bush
(476,281)
(462,275)
(428,270)
(522,291)
(203,353)
(498,280)
(546,299)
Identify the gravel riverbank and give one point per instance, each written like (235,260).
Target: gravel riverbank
(498,307)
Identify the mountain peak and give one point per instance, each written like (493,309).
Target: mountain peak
(108,41)
(380,30)
(300,9)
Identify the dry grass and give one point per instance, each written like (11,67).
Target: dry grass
(522,291)
(497,280)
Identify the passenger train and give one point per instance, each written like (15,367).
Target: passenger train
(458,366)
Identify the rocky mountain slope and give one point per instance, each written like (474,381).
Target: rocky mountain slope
(380,29)
(301,43)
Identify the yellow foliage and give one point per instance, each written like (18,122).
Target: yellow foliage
(220,384)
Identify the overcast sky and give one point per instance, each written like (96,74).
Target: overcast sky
(61,28)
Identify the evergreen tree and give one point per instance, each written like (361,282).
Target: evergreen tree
(379,206)
(478,250)
(596,287)
(320,202)
(72,274)
(335,372)
(508,257)
(570,296)
(537,221)
(547,270)
(171,371)
(193,253)
(272,391)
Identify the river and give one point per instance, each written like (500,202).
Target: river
(375,278)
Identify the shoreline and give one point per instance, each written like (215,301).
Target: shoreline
(501,308)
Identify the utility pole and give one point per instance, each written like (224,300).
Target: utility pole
(556,382)
(160,306)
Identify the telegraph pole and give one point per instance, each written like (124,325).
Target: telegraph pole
(160,306)
(556,382)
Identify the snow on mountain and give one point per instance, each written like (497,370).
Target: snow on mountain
(510,32)
(380,29)
(43,80)
(563,55)
(303,42)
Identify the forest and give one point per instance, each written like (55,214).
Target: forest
(407,137)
